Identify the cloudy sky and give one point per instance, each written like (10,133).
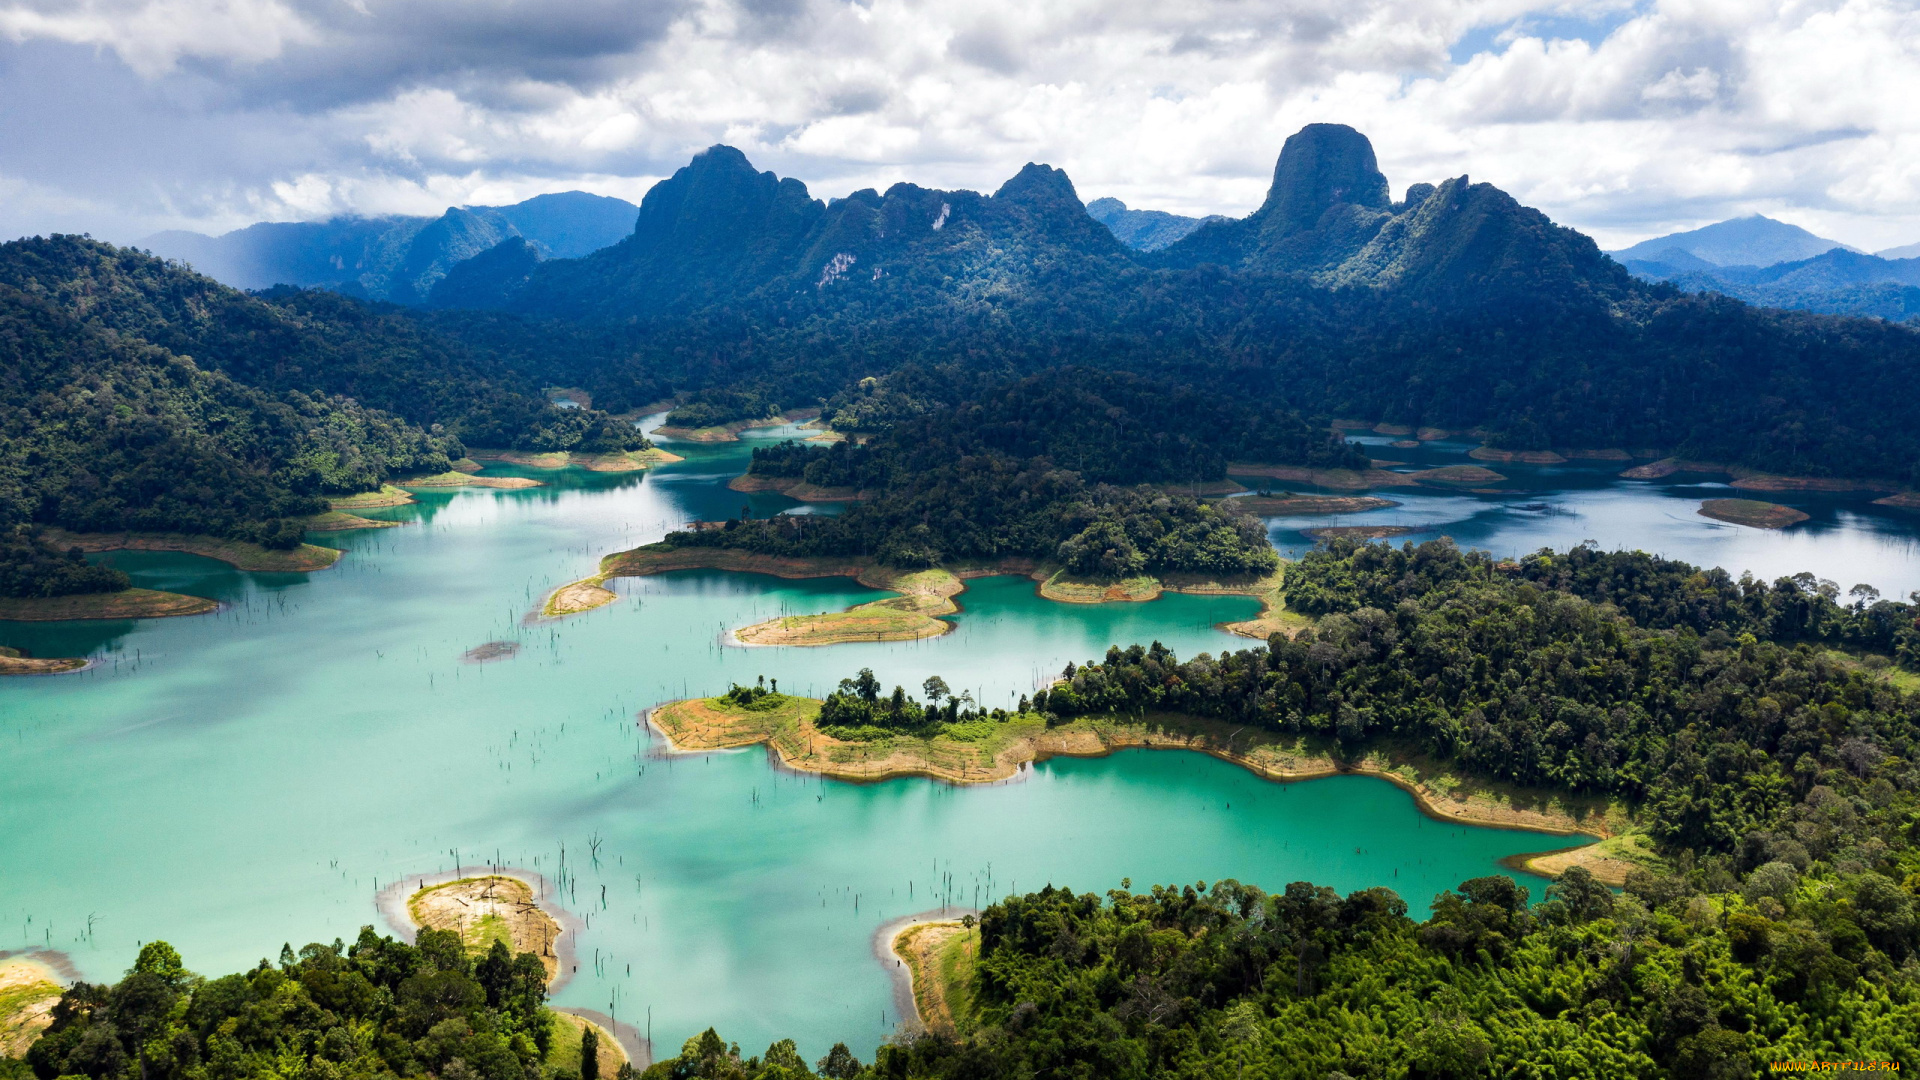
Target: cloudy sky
(1625,119)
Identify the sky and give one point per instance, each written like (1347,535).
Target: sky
(1623,118)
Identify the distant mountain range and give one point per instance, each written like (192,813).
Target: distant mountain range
(397,258)
(1772,263)
(718,231)
(1144,230)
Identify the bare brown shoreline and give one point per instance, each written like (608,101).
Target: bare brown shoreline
(804,749)
(591,592)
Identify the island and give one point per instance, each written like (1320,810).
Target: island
(991,746)
(15,662)
(388,495)
(120,604)
(1359,532)
(1752,513)
(454,478)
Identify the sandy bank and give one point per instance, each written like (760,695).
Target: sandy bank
(925,596)
(485,904)
(1359,480)
(125,604)
(1526,457)
(29,989)
(388,495)
(456,478)
(1359,532)
(623,461)
(236,553)
(1906,500)
(569,1029)
(1754,480)
(795,488)
(932,962)
(1002,750)
(341,521)
(720,432)
(1288,505)
(1751,513)
(15,662)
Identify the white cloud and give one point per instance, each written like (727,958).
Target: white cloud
(1622,117)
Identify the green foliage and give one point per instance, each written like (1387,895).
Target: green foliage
(756,698)
(30,567)
(380,1008)
(857,710)
(713,407)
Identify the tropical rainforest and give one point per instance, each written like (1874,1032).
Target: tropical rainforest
(1777,781)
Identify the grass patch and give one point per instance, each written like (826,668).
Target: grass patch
(341,521)
(27,997)
(236,553)
(388,495)
(1752,513)
(942,957)
(564,1052)
(125,604)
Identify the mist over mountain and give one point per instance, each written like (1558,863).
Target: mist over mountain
(396,258)
(1144,230)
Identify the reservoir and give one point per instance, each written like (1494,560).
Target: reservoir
(234,781)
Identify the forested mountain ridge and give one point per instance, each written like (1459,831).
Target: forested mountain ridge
(719,233)
(102,431)
(1456,308)
(312,341)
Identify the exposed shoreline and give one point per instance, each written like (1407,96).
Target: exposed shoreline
(235,553)
(1752,513)
(392,904)
(591,592)
(14,662)
(129,603)
(730,431)
(456,478)
(341,521)
(902,968)
(622,461)
(1445,476)
(694,726)
(388,495)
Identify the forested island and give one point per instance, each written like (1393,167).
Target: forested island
(1769,916)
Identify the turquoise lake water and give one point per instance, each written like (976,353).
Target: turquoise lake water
(232,781)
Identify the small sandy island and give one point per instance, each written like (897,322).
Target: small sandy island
(1752,479)
(15,662)
(125,604)
(1906,500)
(455,478)
(29,989)
(990,751)
(236,553)
(1752,513)
(623,461)
(388,495)
(341,521)
(491,651)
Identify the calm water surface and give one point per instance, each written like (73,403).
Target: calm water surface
(230,782)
